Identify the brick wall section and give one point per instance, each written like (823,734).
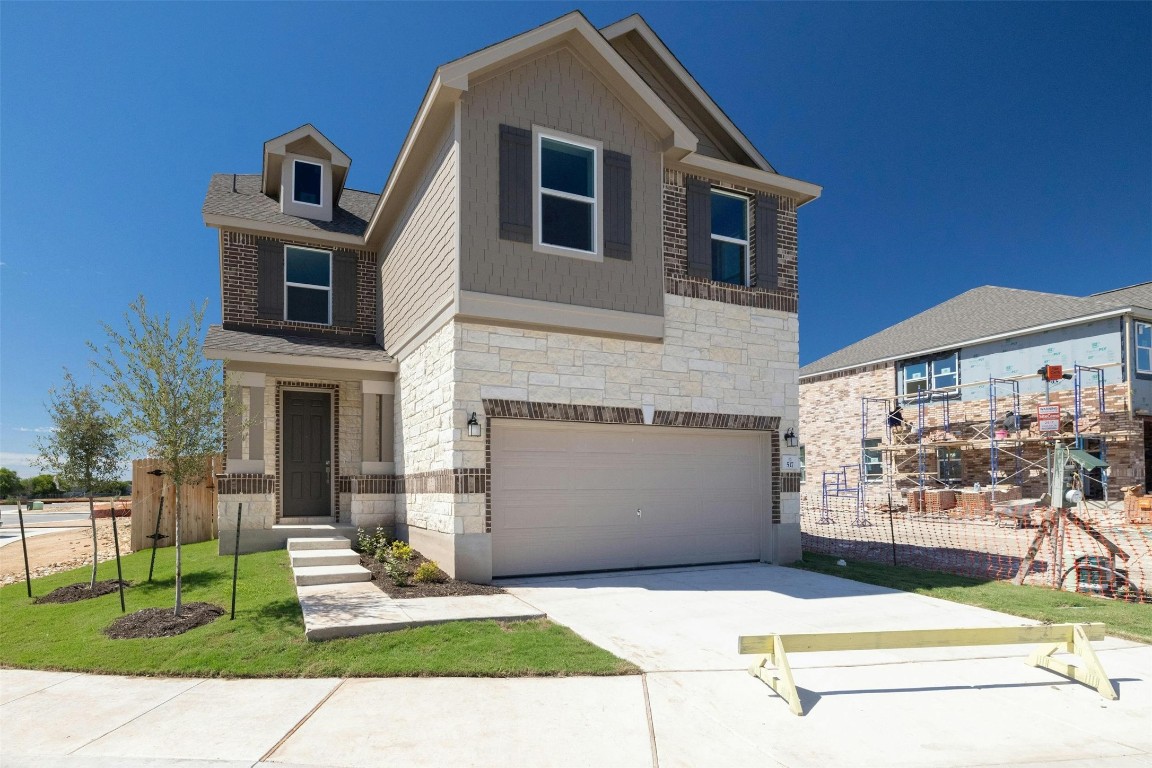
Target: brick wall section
(676,278)
(830,418)
(239,275)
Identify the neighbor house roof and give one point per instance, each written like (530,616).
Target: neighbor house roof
(226,344)
(239,197)
(982,313)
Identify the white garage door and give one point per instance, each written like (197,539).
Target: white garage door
(583,497)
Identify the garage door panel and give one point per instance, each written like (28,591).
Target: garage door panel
(564,496)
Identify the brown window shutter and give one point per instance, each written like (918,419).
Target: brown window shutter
(617,206)
(344,288)
(515,184)
(699,228)
(270,279)
(767,235)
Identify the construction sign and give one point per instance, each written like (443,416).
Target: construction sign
(1048,418)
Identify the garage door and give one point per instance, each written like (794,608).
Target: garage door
(576,497)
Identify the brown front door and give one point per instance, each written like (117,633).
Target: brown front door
(307,454)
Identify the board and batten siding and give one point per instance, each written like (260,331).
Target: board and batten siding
(419,259)
(542,92)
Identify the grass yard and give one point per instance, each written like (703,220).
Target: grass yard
(267,637)
(1128,620)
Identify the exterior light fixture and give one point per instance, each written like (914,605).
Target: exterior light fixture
(473,426)
(790,438)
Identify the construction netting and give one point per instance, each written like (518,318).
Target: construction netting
(1096,547)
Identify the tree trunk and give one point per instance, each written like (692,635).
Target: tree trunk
(179,573)
(92,517)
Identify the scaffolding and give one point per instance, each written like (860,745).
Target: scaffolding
(895,445)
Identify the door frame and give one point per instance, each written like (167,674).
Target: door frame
(332,391)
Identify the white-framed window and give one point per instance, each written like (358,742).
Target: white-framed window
(949,468)
(873,460)
(941,372)
(803,464)
(729,237)
(307,182)
(307,285)
(567,194)
(1143,347)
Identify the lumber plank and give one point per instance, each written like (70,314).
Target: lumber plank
(918,638)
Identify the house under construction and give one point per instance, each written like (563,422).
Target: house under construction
(963,404)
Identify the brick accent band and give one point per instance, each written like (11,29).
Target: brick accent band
(245,483)
(455,481)
(596,414)
(760,298)
(715,420)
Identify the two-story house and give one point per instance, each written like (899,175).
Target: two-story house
(562,338)
(974,392)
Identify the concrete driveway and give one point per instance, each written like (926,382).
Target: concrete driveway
(693,706)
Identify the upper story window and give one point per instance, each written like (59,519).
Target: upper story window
(1144,347)
(307,285)
(567,210)
(307,182)
(940,372)
(729,238)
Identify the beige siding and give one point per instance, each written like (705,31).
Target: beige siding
(419,259)
(706,145)
(556,91)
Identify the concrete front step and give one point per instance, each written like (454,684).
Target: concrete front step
(310,557)
(313,575)
(318,542)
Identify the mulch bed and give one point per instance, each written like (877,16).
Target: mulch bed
(449,588)
(159,622)
(76,592)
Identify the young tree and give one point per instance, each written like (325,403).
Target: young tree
(170,397)
(10,483)
(83,451)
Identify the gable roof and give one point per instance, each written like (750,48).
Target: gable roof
(234,199)
(659,67)
(983,313)
(306,135)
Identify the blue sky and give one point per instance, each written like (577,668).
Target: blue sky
(958,145)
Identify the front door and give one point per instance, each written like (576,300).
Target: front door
(307,471)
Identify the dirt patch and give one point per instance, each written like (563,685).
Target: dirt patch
(74,593)
(159,622)
(448,588)
(63,551)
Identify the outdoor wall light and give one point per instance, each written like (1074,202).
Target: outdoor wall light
(790,438)
(473,426)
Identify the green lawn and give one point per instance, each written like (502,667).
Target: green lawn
(1128,620)
(267,637)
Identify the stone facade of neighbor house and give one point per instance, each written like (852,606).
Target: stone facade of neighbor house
(563,338)
(966,376)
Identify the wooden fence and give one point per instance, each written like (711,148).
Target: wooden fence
(197,510)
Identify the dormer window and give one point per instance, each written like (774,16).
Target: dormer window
(307,182)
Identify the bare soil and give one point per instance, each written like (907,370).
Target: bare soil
(74,593)
(55,552)
(159,622)
(446,588)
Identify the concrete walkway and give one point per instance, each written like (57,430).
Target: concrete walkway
(694,705)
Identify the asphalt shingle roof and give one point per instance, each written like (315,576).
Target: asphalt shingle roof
(239,195)
(226,340)
(975,314)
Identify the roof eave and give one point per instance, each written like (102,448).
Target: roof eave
(255,226)
(802,192)
(981,340)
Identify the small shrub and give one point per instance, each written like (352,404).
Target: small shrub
(428,571)
(371,543)
(402,551)
(397,572)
